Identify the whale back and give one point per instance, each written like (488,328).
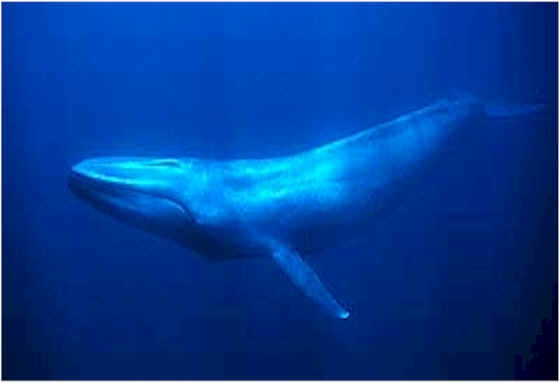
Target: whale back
(325,175)
(436,118)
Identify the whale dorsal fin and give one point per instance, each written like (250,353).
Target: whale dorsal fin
(304,278)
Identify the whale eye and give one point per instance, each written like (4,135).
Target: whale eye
(166,163)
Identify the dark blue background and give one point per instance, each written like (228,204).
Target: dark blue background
(452,284)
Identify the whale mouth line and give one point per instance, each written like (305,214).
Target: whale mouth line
(92,188)
(81,182)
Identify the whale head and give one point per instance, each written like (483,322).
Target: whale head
(152,194)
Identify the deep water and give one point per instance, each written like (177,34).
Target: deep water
(454,283)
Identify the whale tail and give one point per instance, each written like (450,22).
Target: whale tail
(502,108)
(511,110)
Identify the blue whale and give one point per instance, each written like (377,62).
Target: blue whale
(283,208)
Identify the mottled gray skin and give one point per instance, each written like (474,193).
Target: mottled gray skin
(281,207)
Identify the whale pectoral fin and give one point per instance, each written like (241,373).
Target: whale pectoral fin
(302,275)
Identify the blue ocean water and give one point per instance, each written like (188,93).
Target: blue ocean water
(454,284)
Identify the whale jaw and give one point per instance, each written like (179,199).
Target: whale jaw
(132,190)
